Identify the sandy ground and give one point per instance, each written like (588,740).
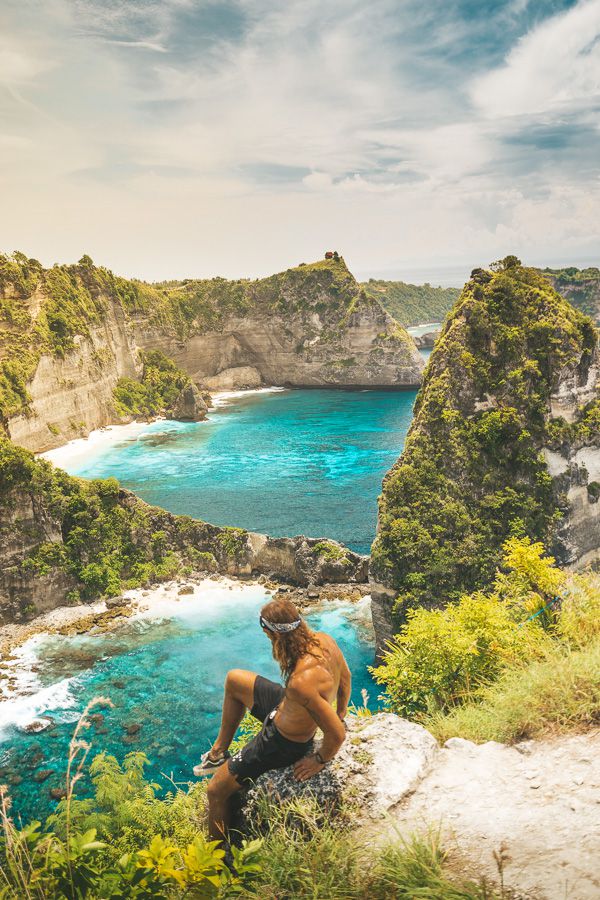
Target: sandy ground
(537,802)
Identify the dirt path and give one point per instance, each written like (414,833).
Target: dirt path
(540,801)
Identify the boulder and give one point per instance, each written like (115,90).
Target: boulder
(382,761)
(42,775)
(190,406)
(39,724)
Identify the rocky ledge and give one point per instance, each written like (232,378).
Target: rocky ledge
(484,800)
(382,761)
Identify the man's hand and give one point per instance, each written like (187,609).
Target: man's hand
(306,767)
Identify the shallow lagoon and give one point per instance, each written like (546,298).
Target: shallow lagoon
(283,463)
(293,462)
(164,674)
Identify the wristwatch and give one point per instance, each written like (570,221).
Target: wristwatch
(320,759)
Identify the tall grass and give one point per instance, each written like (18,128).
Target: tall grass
(309,859)
(556,695)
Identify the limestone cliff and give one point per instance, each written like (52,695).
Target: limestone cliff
(505,440)
(68,334)
(581,287)
(66,540)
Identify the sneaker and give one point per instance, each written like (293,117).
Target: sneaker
(208,766)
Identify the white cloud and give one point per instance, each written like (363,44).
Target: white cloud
(553,67)
(126,138)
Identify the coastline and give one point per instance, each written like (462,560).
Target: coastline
(23,696)
(98,440)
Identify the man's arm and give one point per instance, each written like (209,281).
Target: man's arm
(305,693)
(344,691)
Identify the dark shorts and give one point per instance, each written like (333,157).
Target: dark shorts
(268,749)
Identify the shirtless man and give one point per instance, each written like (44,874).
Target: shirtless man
(315,674)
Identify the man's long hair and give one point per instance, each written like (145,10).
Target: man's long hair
(289,647)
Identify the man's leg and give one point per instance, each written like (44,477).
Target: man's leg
(239,696)
(220,789)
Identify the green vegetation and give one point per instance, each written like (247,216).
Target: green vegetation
(510,663)
(110,539)
(329,551)
(45,311)
(580,286)
(125,842)
(412,304)
(232,541)
(161,384)
(42,311)
(472,474)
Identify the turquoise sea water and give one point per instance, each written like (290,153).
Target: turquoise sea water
(283,463)
(166,676)
(295,462)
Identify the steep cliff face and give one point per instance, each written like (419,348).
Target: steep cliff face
(581,287)
(69,333)
(504,441)
(308,326)
(66,540)
(73,394)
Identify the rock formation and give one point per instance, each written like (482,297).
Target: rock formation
(581,287)
(63,540)
(382,761)
(190,406)
(68,334)
(505,440)
(396,780)
(427,340)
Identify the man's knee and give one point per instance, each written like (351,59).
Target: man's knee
(234,680)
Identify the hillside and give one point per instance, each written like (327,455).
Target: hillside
(67,540)
(580,286)
(69,333)
(412,304)
(505,441)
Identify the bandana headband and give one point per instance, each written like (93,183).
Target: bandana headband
(280,627)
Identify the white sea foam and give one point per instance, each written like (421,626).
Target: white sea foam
(25,699)
(75,452)
(208,597)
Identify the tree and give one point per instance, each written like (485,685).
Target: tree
(509,262)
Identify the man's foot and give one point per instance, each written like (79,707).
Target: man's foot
(209,764)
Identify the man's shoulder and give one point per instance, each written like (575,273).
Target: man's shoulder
(309,676)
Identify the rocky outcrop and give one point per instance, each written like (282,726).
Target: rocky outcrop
(73,394)
(308,326)
(190,406)
(507,414)
(382,761)
(427,340)
(40,569)
(484,801)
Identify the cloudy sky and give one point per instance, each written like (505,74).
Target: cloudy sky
(187,137)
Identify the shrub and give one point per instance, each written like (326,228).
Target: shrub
(161,384)
(444,657)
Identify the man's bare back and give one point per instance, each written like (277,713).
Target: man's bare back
(316,677)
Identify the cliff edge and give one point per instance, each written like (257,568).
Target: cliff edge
(505,441)
(69,333)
